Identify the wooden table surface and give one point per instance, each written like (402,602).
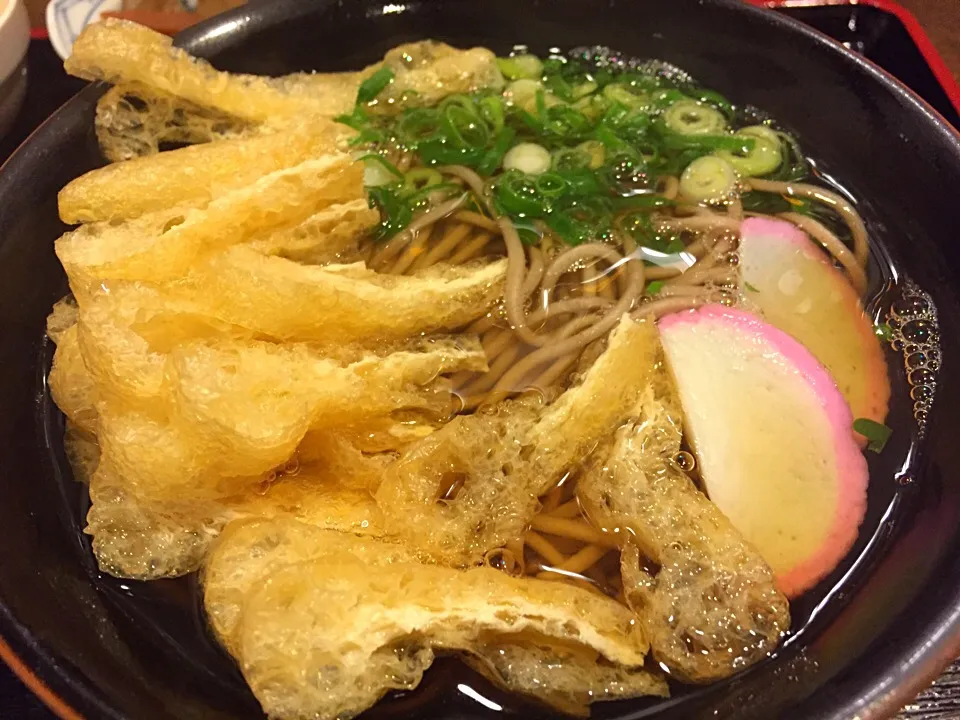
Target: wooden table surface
(941,20)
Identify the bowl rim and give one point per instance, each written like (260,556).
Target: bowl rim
(880,698)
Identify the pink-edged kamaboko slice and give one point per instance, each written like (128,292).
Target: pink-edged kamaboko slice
(772,435)
(795,287)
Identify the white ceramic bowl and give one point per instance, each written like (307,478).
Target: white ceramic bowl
(14,39)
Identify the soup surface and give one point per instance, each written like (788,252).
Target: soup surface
(558,365)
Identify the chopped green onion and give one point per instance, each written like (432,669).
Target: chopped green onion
(374,85)
(517,194)
(761,131)
(434,193)
(379,170)
(491,110)
(570,159)
(418,124)
(564,122)
(528,158)
(522,93)
(689,117)
(622,94)
(395,214)
(711,97)
(675,246)
(550,184)
(750,287)
(596,151)
(705,143)
(494,156)
(877,434)
(666,97)
(419,178)
(438,151)
(763,158)
(464,128)
(520,66)
(654,287)
(708,179)
(583,89)
(884,332)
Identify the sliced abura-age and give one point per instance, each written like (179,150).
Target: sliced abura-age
(705,596)
(324,623)
(142,539)
(192,175)
(124,53)
(797,289)
(232,411)
(338,304)
(165,244)
(505,457)
(773,438)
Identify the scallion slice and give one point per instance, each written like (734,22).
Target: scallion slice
(374,85)
(877,434)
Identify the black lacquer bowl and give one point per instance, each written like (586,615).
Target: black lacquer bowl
(863,643)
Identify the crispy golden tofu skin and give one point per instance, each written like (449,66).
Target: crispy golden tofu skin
(146,540)
(346,303)
(330,236)
(507,456)
(192,176)
(230,411)
(227,417)
(165,95)
(248,551)
(712,607)
(134,120)
(567,677)
(325,636)
(71,384)
(163,245)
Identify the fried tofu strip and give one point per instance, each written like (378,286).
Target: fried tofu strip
(118,51)
(508,457)
(126,334)
(142,539)
(327,636)
(329,236)
(249,550)
(191,176)
(712,608)
(121,52)
(565,677)
(164,245)
(339,303)
(71,384)
(231,411)
(134,120)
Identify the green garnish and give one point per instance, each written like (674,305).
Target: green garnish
(884,331)
(877,434)
(654,287)
(374,85)
(382,162)
(750,287)
(606,137)
(520,66)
